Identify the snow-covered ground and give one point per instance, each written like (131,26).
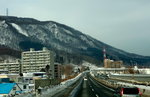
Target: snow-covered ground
(90,65)
(144,71)
(19,29)
(58,88)
(139,86)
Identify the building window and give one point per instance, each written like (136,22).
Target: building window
(14,88)
(24,87)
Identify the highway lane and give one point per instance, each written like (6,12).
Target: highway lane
(100,89)
(86,90)
(92,88)
(67,91)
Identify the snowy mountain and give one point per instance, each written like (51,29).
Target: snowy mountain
(69,44)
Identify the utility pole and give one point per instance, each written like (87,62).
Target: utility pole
(104,55)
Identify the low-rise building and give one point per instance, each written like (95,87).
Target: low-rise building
(27,81)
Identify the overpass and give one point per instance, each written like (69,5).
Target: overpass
(107,70)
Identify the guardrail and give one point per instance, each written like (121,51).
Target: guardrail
(76,90)
(56,89)
(144,88)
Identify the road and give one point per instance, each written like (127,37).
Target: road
(86,90)
(67,91)
(92,88)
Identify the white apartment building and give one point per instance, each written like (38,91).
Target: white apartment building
(11,67)
(34,61)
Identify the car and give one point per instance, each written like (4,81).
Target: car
(85,78)
(127,92)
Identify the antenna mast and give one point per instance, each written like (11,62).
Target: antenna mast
(7,12)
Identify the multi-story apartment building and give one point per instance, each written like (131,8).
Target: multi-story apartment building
(34,61)
(57,71)
(11,67)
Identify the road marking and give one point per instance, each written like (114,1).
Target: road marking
(97,95)
(92,89)
(101,84)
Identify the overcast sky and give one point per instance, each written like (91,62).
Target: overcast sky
(124,24)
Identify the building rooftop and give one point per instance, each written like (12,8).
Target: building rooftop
(5,88)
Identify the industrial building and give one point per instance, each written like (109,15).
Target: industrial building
(112,64)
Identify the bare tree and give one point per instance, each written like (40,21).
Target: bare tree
(68,69)
(131,71)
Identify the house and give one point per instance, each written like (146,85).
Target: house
(9,89)
(26,87)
